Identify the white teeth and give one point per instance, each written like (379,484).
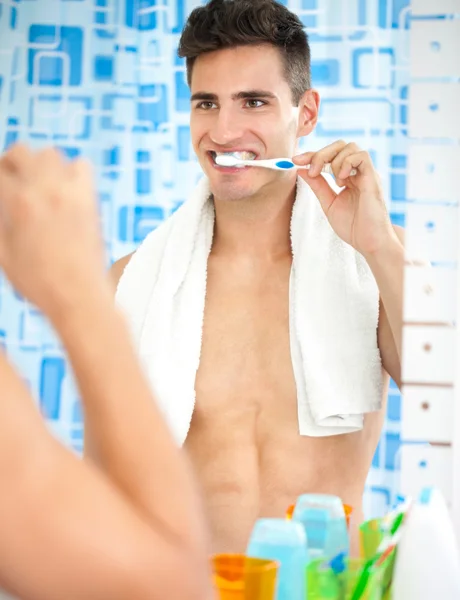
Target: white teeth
(244,155)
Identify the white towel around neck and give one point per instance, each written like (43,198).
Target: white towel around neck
(334,304)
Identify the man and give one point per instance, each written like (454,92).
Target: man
(248,65)
(67,530)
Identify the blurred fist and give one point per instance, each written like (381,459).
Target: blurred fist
(50,245)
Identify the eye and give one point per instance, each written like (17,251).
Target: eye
(254,103)
(206,105)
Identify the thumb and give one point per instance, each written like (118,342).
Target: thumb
(323,191)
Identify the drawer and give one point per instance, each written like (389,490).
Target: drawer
(430,294)
(432,173)
(423,466)
(433,110)
(427,414)
(435,48)
(432,233)
(428,354)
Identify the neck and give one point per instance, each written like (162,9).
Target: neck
(257,227)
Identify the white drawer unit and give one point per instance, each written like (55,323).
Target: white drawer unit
(430,294)
(428,355)
(431,233)
(424,465)
(433,172)
(435,48)
(431,351)
(435,7)
(433,110)
(427,414)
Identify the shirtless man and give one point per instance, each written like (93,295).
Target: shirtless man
(68,530)
(248,66)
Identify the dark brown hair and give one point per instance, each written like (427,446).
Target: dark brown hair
(229,23)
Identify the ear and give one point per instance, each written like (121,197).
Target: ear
(308,112)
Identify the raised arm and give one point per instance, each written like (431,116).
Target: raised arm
(51,250)
(90,445)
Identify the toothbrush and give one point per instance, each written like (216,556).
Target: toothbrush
(278,164)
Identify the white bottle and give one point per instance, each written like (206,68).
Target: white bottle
(428,560)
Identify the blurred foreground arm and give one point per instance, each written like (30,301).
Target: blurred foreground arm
(51,250)
(66,532)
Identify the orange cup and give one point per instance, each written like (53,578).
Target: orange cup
(237,577)
(347,509)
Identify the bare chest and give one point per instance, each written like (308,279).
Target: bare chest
(245,356)
(244,441)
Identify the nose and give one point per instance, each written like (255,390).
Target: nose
(227,127)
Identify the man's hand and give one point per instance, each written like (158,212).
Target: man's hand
(359,216)
(50,244)
(357,213)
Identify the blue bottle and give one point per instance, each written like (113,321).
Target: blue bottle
(283,541)
(324,521)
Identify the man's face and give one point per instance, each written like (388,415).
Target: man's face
(241,102)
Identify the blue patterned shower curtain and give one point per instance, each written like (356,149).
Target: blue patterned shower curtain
(100,78)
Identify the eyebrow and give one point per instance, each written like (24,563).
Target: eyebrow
(245,95)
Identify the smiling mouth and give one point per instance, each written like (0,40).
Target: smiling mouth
(244,155)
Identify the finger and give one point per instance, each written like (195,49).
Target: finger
(303,159)
(50,162)
(321,189)
(81,172)
(15,200)
(331,149)
(81,168)
(325,155)
(18,159)
(338,161)
(361,161)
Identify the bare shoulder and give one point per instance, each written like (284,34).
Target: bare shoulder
(116,270)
